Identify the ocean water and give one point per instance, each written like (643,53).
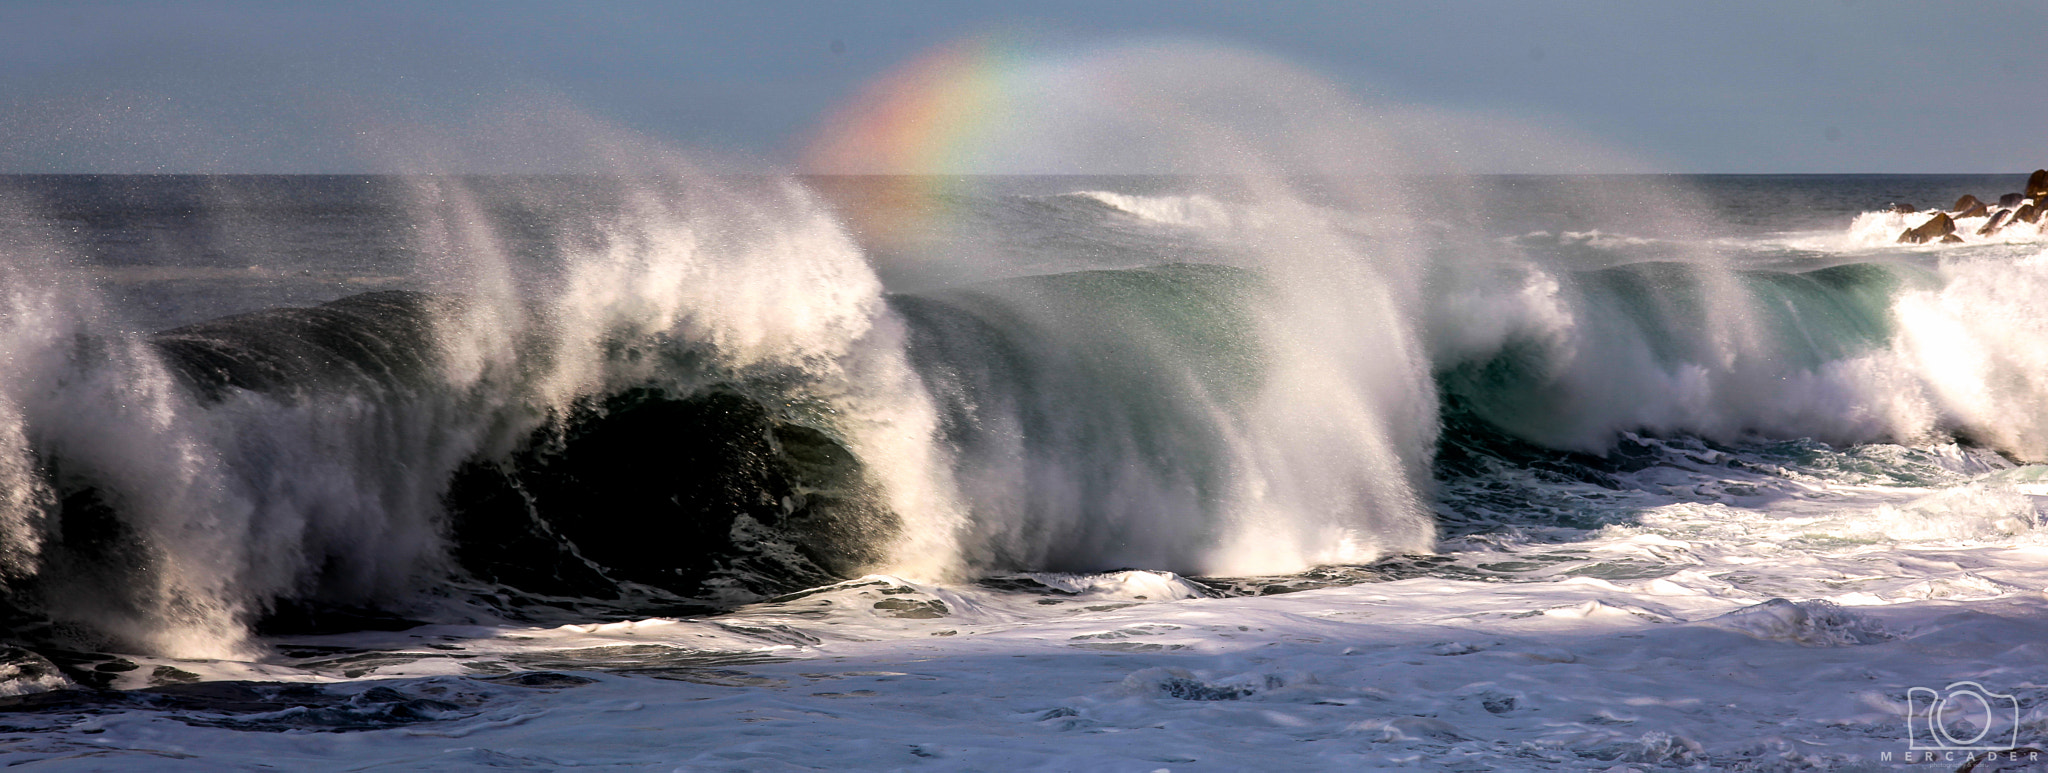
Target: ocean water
(688,471)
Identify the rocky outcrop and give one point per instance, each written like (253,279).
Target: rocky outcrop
(1941,227)
(1998,220)
(2013,209)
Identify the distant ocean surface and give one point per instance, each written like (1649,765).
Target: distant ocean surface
(251,424)
(269,241)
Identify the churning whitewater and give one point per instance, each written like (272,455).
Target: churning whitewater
(671,391)
(472,434)
(689,392)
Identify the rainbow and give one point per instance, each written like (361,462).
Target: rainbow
(927,117)
(905,139)
(896,155)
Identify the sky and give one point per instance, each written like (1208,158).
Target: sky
(1673,87)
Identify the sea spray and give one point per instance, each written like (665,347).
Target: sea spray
(148,551)
(681,282)
(1975,349)
(1856,353)
(1571,339)
(165,493)
(1198,419)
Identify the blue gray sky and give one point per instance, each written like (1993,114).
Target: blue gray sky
(1857,86)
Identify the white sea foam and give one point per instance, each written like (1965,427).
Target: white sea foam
(1880,230)
(1190,211)
(1825,636)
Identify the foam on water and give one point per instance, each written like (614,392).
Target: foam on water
(1880,231)
(1973,345)
(1196,211)
(1808,583)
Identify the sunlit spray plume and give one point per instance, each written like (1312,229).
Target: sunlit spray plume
(177,510)
(1322,456)
(1555,341)
(1641,324)
(30,298)
(1975,346)
(154,513)
(686,280)
(89,404)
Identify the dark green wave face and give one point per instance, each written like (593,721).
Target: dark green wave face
(1092,412)
(1675,347)
(359,343)
(1832,313)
